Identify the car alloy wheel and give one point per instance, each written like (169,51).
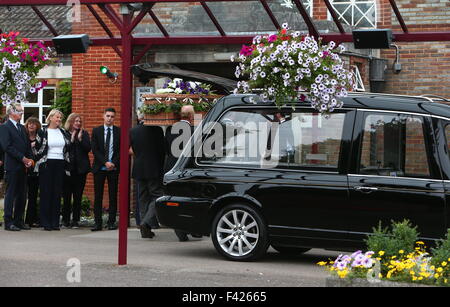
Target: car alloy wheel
(240,233)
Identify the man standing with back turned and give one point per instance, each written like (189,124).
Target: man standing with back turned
(147,144)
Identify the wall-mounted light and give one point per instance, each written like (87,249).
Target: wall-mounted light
(112,76)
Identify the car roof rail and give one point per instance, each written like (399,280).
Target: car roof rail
(435,98)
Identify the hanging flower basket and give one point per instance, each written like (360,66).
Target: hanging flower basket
(164,109)
(288,67)
(20,63)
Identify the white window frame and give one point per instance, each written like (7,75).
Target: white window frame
(40,103)
(353,5)
(309,5)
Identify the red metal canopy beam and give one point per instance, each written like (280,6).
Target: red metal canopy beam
(109,11)
(159,24)
(213,18)
(311,26)
(271,15)
(335,16)
(104,26)
(139,17)
(399,16)
(44,20)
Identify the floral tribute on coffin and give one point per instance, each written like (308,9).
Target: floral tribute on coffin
(163,107)
(20,62)
(289,67)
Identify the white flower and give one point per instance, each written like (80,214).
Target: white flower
(285,25)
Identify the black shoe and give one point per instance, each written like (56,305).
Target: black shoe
(97,228)
(48,228)
(196,235)
(24,227)
(182,236)
(112,227)
(12,228)
(75,225)
(56,228)
(146,232)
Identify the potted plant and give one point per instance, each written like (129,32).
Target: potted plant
(288,66)
(20,62)
(163,107)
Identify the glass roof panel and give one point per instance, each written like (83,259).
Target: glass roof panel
(178,19)
(24,20)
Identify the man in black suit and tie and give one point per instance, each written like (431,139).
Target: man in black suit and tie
(106,150)
(147,146)
(17,152)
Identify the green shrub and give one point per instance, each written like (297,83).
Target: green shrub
(441,258)
(401,236)
(85,206)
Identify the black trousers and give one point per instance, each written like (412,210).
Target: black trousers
(73,187)
(149,191)
(15,197)
(32,206)
(99,183)
(51,181)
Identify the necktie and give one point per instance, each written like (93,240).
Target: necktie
(107,144)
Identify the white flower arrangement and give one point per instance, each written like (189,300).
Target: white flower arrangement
(287,67)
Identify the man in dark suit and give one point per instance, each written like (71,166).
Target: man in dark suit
(17,151)
(106,150)
(175,142)
(147,145)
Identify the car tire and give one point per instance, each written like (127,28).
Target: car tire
(287,250)
(239,233)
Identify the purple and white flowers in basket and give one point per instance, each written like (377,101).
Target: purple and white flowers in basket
(178,86)
(288,67)
(20,62)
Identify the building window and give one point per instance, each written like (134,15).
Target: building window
(356,13)
(308,4)
(39,104)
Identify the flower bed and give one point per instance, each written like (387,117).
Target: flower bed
(413,264)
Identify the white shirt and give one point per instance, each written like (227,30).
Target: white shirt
(14,123)
(110,145)
(56,144)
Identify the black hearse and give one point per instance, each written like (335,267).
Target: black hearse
(255,175)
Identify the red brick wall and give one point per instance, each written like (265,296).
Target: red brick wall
(92,92)
(425,65)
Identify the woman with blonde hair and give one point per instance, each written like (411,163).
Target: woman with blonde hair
(32,127)
(79,168)
(52,153)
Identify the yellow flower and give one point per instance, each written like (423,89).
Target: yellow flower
(393,257)
(436,275)
(439,270)
(401,251)
(420,243)
(322,263)
(381,253)
(444,263)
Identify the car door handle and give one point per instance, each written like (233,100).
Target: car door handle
(365,189)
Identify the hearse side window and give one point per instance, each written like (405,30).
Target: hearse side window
(393,145)
(447,136)
(299,139)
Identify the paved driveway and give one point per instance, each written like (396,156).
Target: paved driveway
(39,258)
